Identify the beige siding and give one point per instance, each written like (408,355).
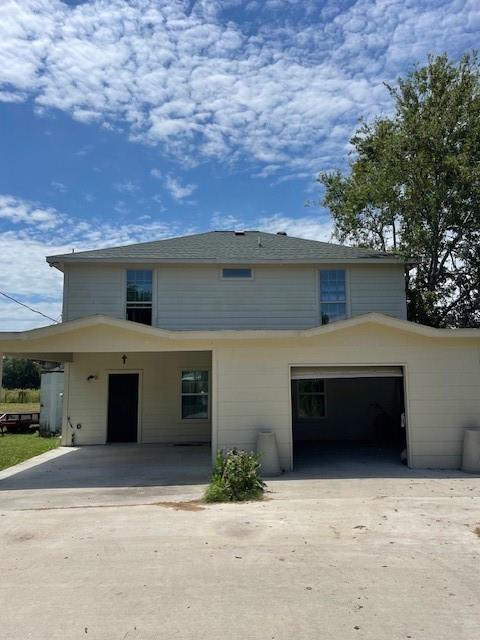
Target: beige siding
(378,289)
(196,297)
(251,380)
(442,383)
(160,418)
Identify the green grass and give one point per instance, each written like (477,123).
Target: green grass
(17,447)
(20,396)
(15,407)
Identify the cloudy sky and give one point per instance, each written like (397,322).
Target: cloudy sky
(124,121)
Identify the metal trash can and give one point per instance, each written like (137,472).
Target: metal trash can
(471,451)
(267,448)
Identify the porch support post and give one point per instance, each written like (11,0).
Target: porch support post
(214,404)
(66,389)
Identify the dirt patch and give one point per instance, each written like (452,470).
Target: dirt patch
(185,505)
(21,537)
(190,505)
(477,531)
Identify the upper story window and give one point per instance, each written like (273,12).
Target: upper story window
(139,296)
(236,273)
(333,295)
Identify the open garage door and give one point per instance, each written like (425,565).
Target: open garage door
(348,411)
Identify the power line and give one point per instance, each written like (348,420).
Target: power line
(27,307)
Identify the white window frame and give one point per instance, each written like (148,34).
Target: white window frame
(181,394)
(236,279)
(347,290)
(154,289)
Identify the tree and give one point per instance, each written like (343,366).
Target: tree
(413,187)
(19,373)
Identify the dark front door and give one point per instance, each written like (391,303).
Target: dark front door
(122,407)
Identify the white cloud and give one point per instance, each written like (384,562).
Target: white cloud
(12,96)
(156,173)
(177,190)
(312,227)
(127,187)
(19,211)
(58,186)
(190,78)
(23,270)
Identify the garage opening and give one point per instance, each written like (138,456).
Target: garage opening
(341,414)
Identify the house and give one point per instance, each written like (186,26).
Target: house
(212,337)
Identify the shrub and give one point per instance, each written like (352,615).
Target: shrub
(235,477)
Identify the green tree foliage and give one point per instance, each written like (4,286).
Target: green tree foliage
(414,187)
(19,373)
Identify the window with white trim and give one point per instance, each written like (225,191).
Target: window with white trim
(195,394)
(139,296)
(333,295)
(311,398)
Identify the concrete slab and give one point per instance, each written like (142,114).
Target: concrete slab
(72,477)
(336,557)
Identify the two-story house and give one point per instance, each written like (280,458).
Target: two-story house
(215,336)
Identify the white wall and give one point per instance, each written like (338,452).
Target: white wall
(160,419)
(196,297)
(442,387)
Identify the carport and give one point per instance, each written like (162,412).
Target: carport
(346,413)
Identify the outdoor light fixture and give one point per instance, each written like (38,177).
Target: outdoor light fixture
(124,358)
(91,377)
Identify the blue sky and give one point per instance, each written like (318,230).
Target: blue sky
(131,121)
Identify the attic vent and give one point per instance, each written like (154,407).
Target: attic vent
(281,233)
(239,233)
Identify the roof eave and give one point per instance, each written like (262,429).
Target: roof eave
(235,334)
(59,262)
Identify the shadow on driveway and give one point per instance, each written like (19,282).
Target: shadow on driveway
(117,466)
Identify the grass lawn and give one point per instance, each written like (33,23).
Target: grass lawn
(12,407)
(17,447)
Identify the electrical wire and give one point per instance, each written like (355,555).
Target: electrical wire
(22,304)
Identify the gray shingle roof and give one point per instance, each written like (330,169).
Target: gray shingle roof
(228,247)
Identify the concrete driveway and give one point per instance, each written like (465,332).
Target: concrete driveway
(118,474)
(392,554)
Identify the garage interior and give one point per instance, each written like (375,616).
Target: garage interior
(348,415)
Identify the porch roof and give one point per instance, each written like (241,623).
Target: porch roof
(105,334)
